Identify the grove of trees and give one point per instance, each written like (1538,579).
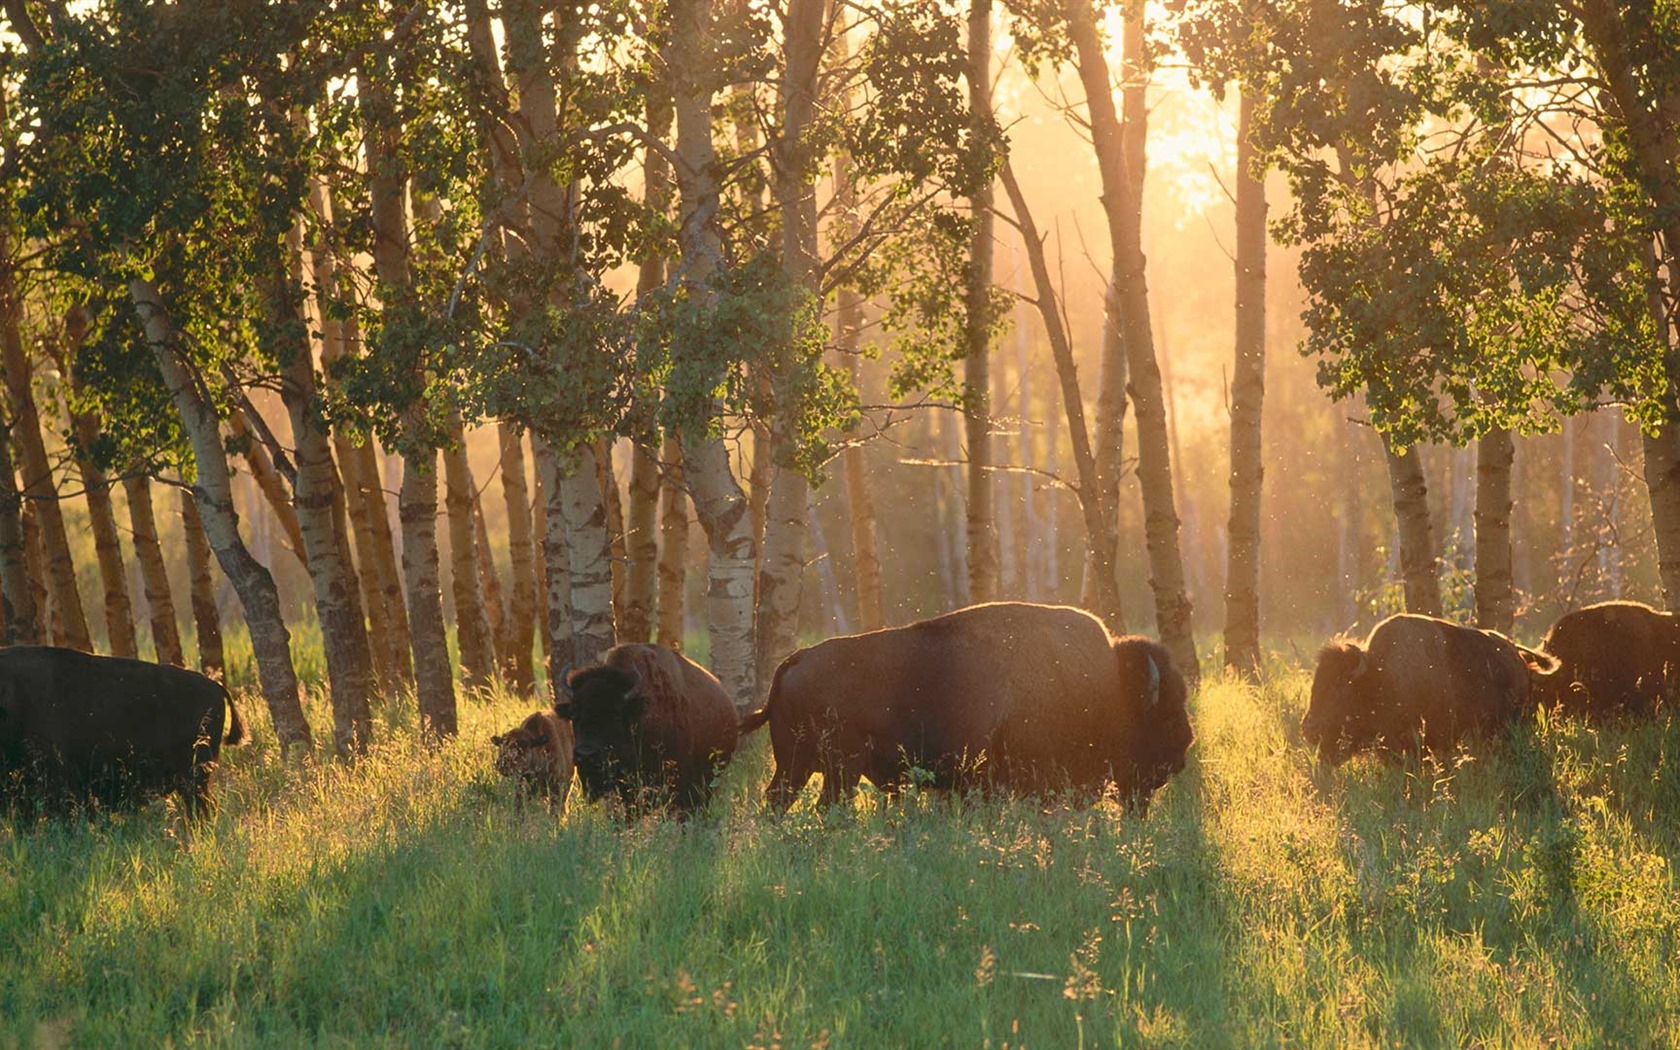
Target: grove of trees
(450,322)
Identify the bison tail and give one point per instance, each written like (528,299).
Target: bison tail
(755,720)
(238,732)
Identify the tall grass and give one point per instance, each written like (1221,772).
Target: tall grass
(1521,898)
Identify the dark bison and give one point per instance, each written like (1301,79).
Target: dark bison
(74,727)
(652,726)
(537,754)
(1023,697)
(1419,678)
(1618,658)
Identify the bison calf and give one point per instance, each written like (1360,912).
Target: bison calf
(652,726)
(1618,659)
(1019,696)
(537,754)
(76,727)
(1419,678)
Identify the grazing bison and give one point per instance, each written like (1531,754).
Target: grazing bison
(1018,696)
(74,726)
(1419,677)
(652,726)
(538,755)
(1618,658)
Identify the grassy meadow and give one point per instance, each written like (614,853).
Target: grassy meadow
(1522,898)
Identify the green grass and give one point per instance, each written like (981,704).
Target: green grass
(1522,898)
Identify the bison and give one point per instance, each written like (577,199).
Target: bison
(1618,659)
(652,726)
(537,755)
(1419,678)
(77,727)
(1011,695)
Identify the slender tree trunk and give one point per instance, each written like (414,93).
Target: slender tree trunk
(417,503)
(38,485)
(1098,527)
(559,618)
(155,578)
(148,551)
(719,502)
(207,620)
(318,500)
(787,526)
(588,552)
(1495,602)
(642,586)
(982,524)
(1418,569)
(522,610)
(539,552)
(23,624)
(472,622)
(35,559)
(1248,388)
(673,545)
(358,465)
(1120,158)
(107,544)
(418,511)
(642,541)
(213,492)
(270,483)
(495,605)
(612,506)
(1110,442)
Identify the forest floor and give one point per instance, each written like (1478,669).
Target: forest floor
(1522,898)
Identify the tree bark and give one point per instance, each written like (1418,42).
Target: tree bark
(207,620)
(1098,527)
(148,551)
(588,552)
(1419,571)
(642,543)
(1120,159)
(107,544)
(318,500)
(473,635)
(673,545)
(38,485)
(1248,389)
(270,483)
(213,492)
(522,609)
(558,617)
(1110,441)
(787,528)
(719,502)
(982,525)
(1495,602)
(358,465)
(23,624)
(495,604)
(612,506)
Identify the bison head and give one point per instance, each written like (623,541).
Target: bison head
(604,705)
(525,753)
(1337,720)
(1164,735)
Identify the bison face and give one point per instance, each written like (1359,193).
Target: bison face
(523,753)
(1166,737)
(1337,719)
(605,707)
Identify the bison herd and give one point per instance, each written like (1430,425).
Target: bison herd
(1004,696)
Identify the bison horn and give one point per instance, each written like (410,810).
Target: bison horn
(563,682)
(1154,681)
(1363,665)
(635,684)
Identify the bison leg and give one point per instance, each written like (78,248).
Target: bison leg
(838,785)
